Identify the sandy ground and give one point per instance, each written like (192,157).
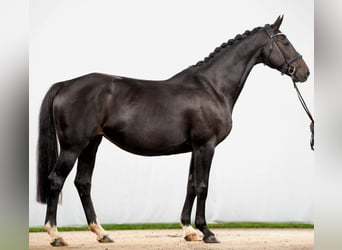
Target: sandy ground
(231,239)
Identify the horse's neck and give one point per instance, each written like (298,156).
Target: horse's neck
(228,72)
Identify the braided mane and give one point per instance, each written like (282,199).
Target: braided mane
(228,44)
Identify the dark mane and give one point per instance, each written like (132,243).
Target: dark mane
(228,44)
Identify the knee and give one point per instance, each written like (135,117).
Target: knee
(83,186)
(202,191)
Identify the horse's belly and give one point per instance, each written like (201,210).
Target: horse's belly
(150,142)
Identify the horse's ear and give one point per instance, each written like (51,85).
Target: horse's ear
(277,23)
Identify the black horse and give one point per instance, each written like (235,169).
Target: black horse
(190,112)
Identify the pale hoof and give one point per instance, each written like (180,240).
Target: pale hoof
(210,239)
(192,237)
(105,239)
(59,242)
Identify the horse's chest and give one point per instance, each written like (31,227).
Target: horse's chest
(223,128)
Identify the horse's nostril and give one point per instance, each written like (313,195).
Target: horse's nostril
(307,74)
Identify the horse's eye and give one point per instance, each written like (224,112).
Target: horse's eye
(286,42)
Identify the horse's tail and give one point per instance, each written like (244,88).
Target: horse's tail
(47,148)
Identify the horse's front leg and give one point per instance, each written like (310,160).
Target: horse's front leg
(203,155)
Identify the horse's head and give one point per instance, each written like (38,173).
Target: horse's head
(280,54)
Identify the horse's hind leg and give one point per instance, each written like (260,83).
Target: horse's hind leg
(85,166)
(62,168)
(189,232)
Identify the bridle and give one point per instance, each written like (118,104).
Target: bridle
(289,68)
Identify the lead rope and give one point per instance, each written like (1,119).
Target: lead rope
(301,99)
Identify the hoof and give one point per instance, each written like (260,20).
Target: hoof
(105,239)
(191,237)
(210,239)
(59,242)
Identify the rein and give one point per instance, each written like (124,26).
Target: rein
(306,109)
(290,69)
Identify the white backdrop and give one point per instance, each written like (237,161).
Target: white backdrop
(262,172)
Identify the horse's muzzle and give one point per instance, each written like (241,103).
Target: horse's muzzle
(300,76)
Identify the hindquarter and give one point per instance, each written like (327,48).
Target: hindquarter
(80,107)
